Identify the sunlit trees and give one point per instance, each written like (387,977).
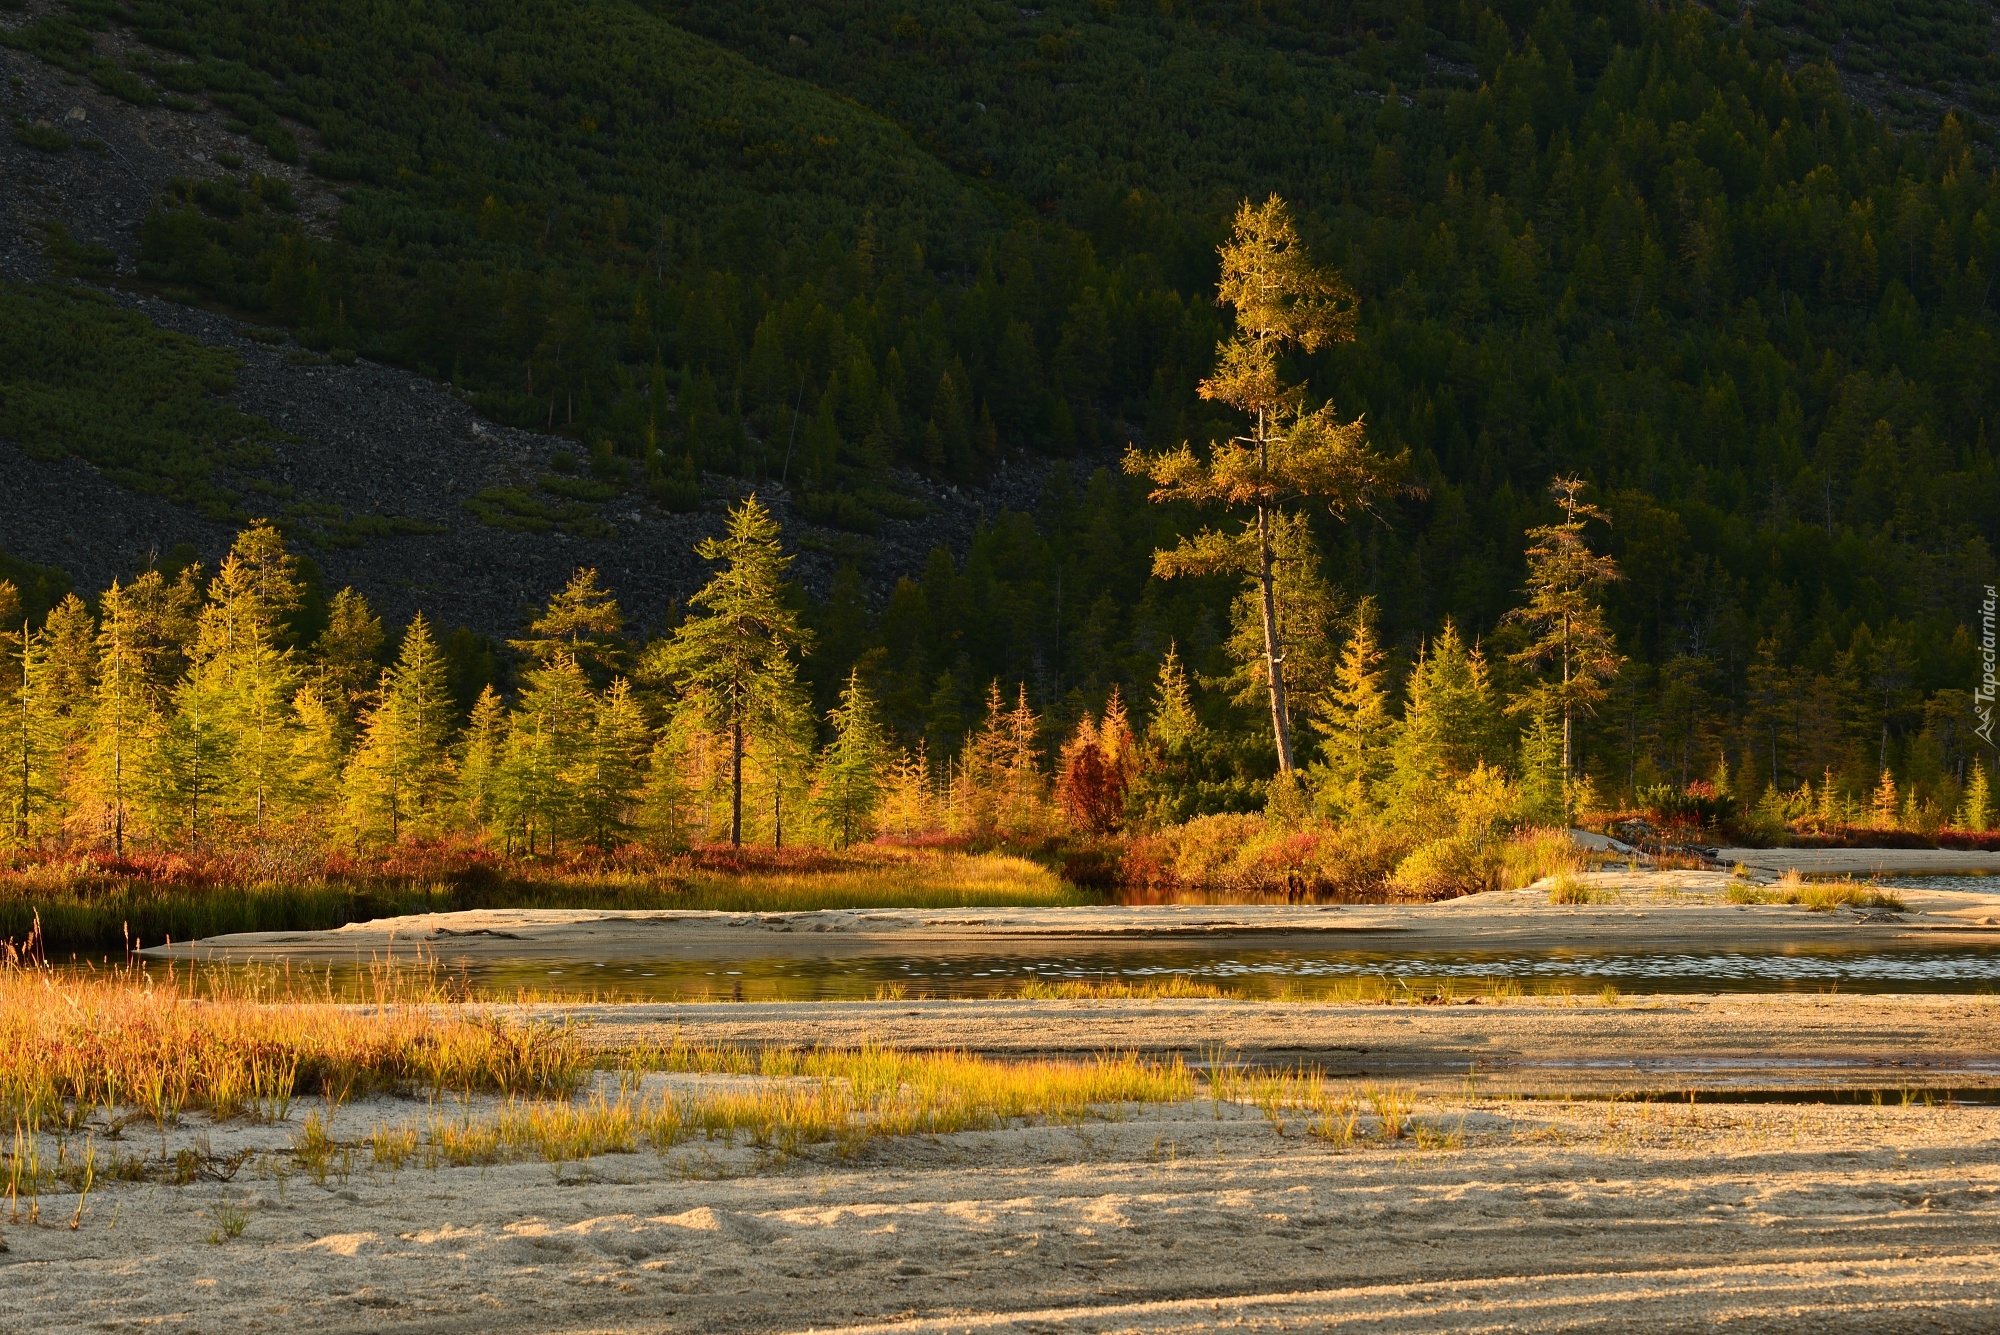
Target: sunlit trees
(583,621)
(732,659)
(1352,717)
(548,737)
(1292,453)
(1095,769)
(1569,640)
(398,774)
(848,788)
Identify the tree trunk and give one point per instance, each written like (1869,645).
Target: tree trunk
(777,812)
(1274,658)
(736,784)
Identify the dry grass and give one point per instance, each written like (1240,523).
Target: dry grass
(75,1042)
(1816,896)
(91,901)
(1173,986)
(1567,889)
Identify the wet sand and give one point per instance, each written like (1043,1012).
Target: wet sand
(1728,1041)
(1653,911)
(1821,1180)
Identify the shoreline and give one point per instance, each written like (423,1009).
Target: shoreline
(1645,911)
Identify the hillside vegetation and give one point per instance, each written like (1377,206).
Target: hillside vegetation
(1630,242)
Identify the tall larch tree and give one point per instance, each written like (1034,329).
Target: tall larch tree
(734,653)
(1291,453)
(611,771)
(1569,640)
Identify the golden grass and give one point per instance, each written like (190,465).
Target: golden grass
(1816,896)
(1567,889)
(71,1043)
(1177,985)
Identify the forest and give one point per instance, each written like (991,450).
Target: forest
(1658,249)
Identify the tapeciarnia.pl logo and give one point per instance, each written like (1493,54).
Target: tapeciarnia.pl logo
(1982,699)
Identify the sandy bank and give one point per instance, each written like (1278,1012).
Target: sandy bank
(1517,1216)
(1727,1041)
(1649,911)
(1862,861)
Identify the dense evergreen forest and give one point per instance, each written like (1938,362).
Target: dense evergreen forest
(1658,248)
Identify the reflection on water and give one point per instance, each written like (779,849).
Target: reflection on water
(1259,973)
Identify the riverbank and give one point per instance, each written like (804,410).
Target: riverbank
(1413,1211)
(1638,911)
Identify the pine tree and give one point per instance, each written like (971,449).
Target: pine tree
(320,746)
(346,658)
(548,738)
(779,752)
(1886,806)
(583,621)
(1976,812)
(1448,723)
(909,795)
(1352,718)
(1544,786)
(32,751)
(609,773)
(189,755)
(122,715)
(398,774)
(667,803)
(1291,454)
(735,654)
(1568,634)
(258,712)
(848,789)
(479,762)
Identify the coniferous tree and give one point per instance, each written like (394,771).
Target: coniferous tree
(909,795)
(1353,720)
(346,656)
(189,755)
(122,716)
(320,746)
(548,738)
(778,758)
(733,656)
(669,804)
(583,621)
(1449,720)
(1976,813)
(610,771)
(479,762)
(1292,453)
(399,771)
(33,748)
(1568,635)
(848,789)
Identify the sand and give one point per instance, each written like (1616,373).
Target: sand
(1657,911)
(1553,1213)
(1530,1201)
(1662,1044)
(1544,1216)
